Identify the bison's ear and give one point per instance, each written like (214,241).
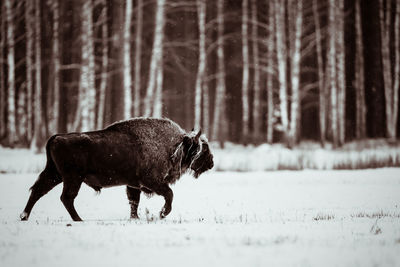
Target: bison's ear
(198,135)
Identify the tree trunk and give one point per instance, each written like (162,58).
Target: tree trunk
(87,82)
(29,65)
(157,112)
(359,76)
(280,27)
(270,72)
(104,69)
(390,79)
(257,91)
(127,61)
(3,105)
(156,71)
(332,71)
(201,11)
(138,54)
(11,121)
(38,135)
(57,66)
(341,75)
(245,78)
(321,76)
(295,78)
(219,109)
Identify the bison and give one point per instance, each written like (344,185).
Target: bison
(144,154)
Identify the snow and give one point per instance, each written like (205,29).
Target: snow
(283,218)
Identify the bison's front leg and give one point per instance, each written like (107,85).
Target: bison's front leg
(166,192)
(134,198)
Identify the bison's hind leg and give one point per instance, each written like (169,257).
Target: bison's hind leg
(134,199)
(46,181)
(72,184)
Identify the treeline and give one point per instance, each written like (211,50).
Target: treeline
(247,71)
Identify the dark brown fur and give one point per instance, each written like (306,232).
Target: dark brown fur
(145,154)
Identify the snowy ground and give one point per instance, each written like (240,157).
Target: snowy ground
(304,218)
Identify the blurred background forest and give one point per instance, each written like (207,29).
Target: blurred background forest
(249,72)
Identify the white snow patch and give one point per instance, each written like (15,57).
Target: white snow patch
(306,218)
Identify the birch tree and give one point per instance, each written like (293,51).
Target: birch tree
(29,64)
(270,71)
(87,84)
(359,76)
(341,73)
(201,11)
(292,106)
(104,68)
(38,135)
(257,91)
(280,26)
(332,71)
(295,71)
(246,66)
(219,108)
(321,77)
(127,61)
(56,64)
(153,102)
(2,71)
(391,75)
(138,54)
(11,122)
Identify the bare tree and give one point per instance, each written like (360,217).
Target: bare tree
(321,77)
(257,92)
(246,70)
(29,64)
(332,71)
(359,76)
(154,88)
(3,104)
(341,73)
(289,124)
(390,78)
(138,54)
(219,108)
(127,61)
(270,70)
(11,122)
(104,68)
(201,10)
(56,64)
(295,71)
(87,83)
(38,135)
(280,26)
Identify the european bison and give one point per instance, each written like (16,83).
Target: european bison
(145,154)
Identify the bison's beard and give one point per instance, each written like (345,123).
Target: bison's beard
(200,167)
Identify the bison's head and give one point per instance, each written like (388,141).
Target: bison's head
(196,154)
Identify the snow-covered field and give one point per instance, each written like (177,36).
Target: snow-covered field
(299,218)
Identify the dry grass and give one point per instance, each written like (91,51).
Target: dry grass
(356,155)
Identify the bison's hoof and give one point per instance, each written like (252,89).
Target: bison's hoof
(162,214)
(23,216)
(134,217)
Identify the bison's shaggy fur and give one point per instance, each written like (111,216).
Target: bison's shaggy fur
(145,154)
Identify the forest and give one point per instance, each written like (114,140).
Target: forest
(248,72)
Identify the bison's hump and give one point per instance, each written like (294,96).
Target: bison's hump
(148,126)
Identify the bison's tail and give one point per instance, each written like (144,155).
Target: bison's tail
(50,172)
